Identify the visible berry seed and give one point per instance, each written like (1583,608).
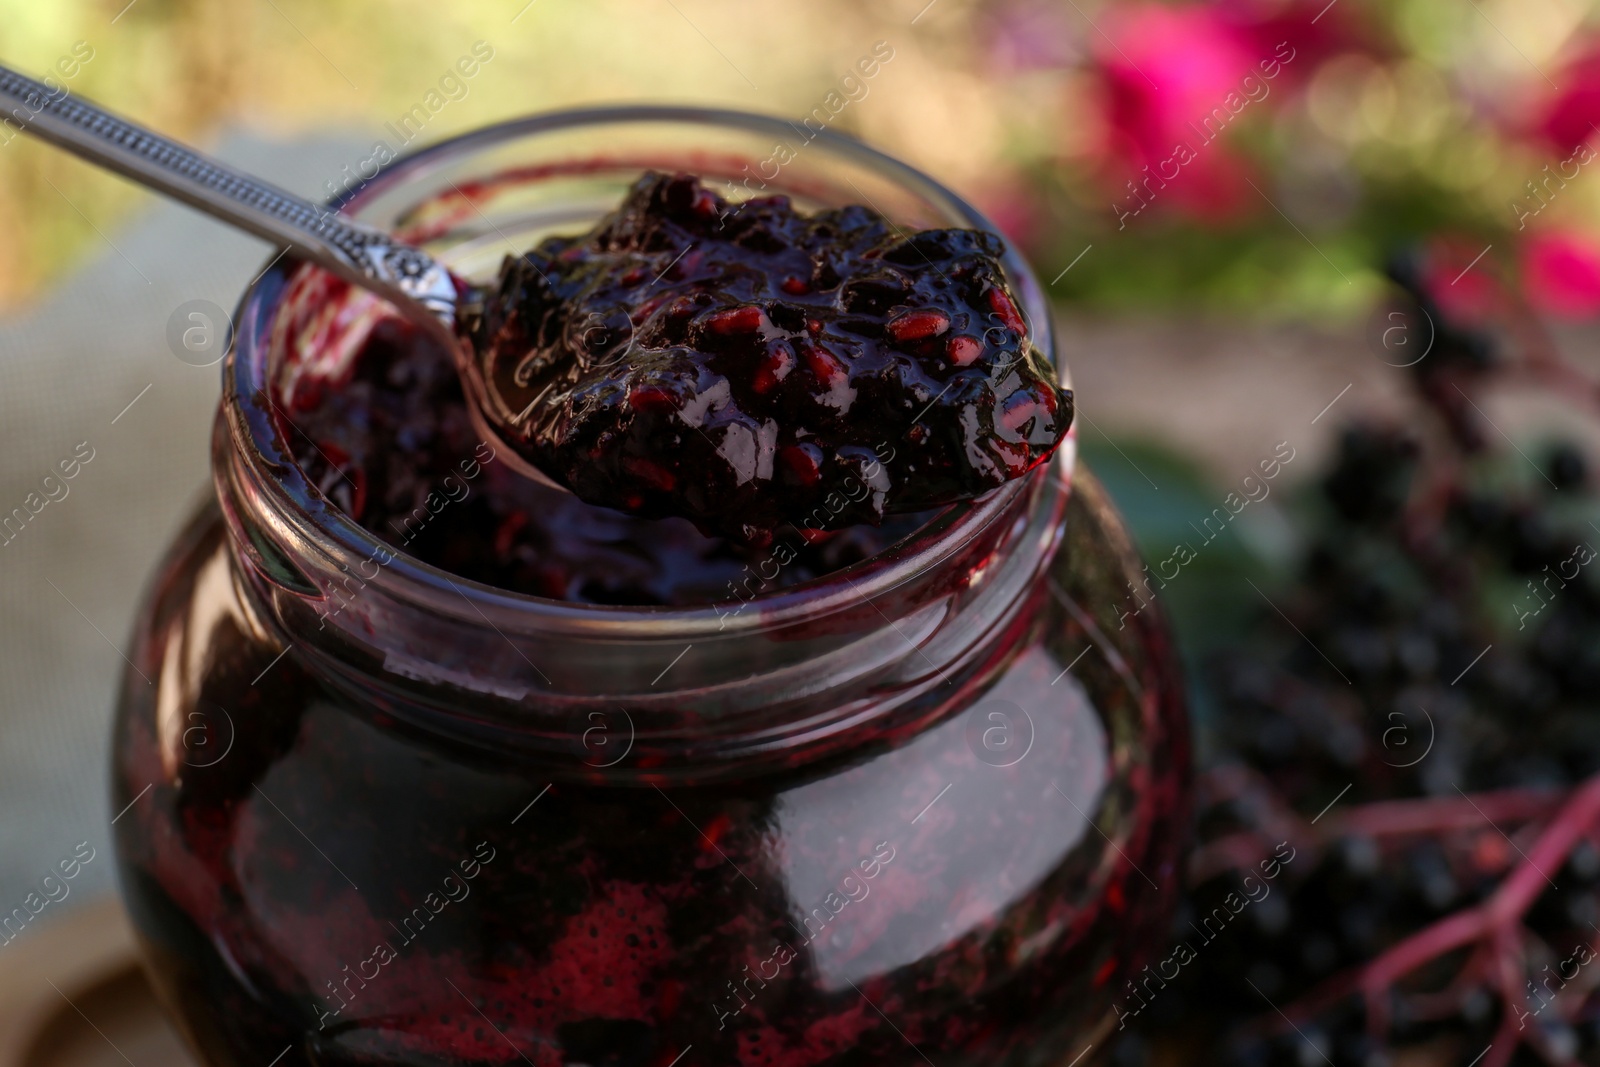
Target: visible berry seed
(705,204)
(735,320)
(917,325)
(650,307)
(651,399)
(825,365)
(774,367)
(962,350)
(682,307)
(713,831)
(802,463)
(796,286)
(1010,317)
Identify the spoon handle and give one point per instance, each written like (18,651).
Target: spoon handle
(358,253)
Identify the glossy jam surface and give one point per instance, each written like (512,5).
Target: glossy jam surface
(380,425)
(749,367)
(314,877)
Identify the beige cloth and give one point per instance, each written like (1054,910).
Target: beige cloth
(71,578)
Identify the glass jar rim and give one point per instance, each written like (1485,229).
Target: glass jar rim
(309,520)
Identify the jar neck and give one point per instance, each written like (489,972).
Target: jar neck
(768,670)
(763,670)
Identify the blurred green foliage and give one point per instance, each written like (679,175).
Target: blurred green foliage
(1404,119)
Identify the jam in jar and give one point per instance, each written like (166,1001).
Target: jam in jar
(429,765)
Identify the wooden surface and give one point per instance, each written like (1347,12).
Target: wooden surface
(72,995)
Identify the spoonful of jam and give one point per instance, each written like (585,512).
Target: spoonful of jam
(742,365)
(747,366)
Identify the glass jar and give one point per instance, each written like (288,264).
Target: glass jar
(927,808)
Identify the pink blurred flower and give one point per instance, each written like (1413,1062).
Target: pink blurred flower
(1458,274)
(1568,116)
(1561,273)
(1167,69)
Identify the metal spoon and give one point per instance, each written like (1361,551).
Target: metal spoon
(421,288)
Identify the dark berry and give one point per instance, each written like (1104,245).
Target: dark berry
(1566,467)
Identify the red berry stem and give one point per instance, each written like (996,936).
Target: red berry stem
(1495,925)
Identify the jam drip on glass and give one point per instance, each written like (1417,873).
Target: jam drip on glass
(748,367)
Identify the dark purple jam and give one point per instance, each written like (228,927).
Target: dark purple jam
(749,367)
(381,428)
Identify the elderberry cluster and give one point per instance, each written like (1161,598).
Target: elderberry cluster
(1413,733)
